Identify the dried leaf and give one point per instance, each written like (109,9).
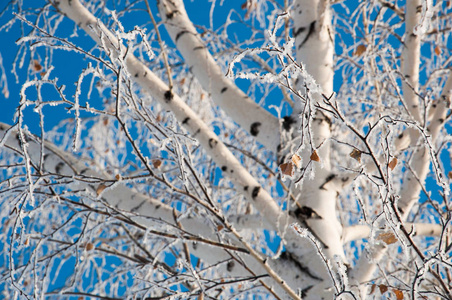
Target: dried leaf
(105,122)
(387,237)
(315,156)
(372,289)
(296,159)
(449,175)
(36,66)
(220,227)
(100,189)
(360,50)
(392,163)
(437,50)
(182,81)
(287,168)
(203,96)
(398,293)
(27,241)
(156,163)
(89,246)
(118,177)
(356,154)
(383,288)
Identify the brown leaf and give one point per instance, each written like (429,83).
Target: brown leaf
(220,227)
(36,66)
(118,177)
(437,50)
(156,163)
(398,293)
(287,168)
(387,237)
(392,163)
(383,288)
(356,154)
(89,246)
(296,159)
(105,121)
(372,289)
(360,50)
(315,156)
(182,81)
(100,189)
(449,175)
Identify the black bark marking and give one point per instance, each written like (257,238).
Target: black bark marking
(212,143)
(185,121)
(310,32)
(232,171)
(84,171)
(223,90)
(198,48)
(230,266)
(170,15)
(254,130)
(46,156)
(145,73)
(168,96)
(255,192)
(58,167)
(197,132)
(245,187)
(296,32)
(305,212)
(224,168)
(287,122)
(328,179)
(136,75)
(181,33)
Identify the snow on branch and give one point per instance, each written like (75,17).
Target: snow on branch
(241,108)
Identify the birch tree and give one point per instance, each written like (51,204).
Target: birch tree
(279,149)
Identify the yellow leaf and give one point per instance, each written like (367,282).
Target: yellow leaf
(392,163)
(356,154)
(100,189)
(315,156)
(296,159)
(398,293)
(437,50)
(387,237)
(360,50)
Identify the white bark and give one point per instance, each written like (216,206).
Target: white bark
(241,108)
